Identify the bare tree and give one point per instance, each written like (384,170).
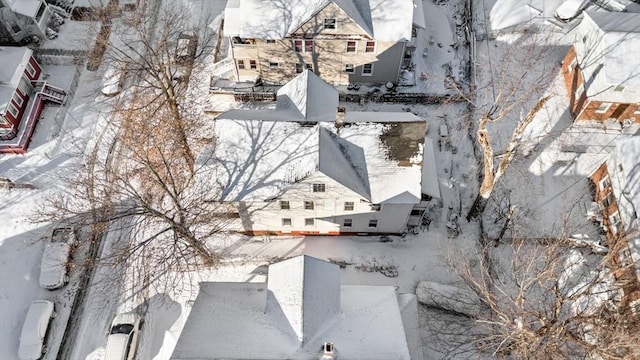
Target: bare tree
(517,80)
(539,300)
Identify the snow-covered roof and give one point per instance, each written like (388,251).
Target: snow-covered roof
(263,321)
(628,157)
(26,7)
(13,61)
(384,20)
(260,153)
(608,50)
(430,183)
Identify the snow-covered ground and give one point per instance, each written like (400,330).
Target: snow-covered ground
(551,180)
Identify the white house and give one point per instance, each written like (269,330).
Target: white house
(301,312)
(310,167)
(20,20)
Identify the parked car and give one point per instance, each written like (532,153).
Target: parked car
(123,337)
(113,81)
(35,329)
(54,266)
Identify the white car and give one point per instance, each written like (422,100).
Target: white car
(123,337)
(570,9)
(34,330)
(55,258)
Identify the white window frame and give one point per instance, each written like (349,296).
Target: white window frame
(311,203)
(299,68)
(607,106)
(366,47)
(352,207)
(298,49)
(376,207)
(319,187)
(271,41)
(374,222)
(273,64)
(615,225)
(355,48)
(13,110)
(347,223)
(605,182)
(240,63)
(253,65)
(637,111)
(579,91)
(351,69)
(287,220)
(31,70)
(309,223)
(332,27)
(285,205)
(370,73)
(18,99)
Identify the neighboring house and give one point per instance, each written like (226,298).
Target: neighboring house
(617,192)
(20,20)
(310,167)
(343,41)
(23,94)
(301,312)
(602,68)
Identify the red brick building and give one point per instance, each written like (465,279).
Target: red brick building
(23,94)
(602,69)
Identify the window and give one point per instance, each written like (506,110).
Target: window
(367,69)
(309,222)
(286,222)
(319,187)
(352,46)
(240,64)
(579,91)
(17,99)
(606,201)
(299,68)
(273,65)
(308,46)
(370,47)
(637,112)
(615,221)
(347,223)
(253,64)
(603,107)
(574,64)
(329,24)
(13,110)
(604,183)
(375,207)
(40,12)
(308,205)
(309,67)
(349,68)
(31,70)
(284,205)
(348,206)
(373,223)
(271,41)
(297,46)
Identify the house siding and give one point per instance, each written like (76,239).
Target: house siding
(329,55)
(329,212)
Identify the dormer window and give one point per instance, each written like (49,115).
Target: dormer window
(330,24)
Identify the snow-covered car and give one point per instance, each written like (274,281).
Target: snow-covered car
(113,81)
(570,9)
(56,257)
(35,329)
(123,337)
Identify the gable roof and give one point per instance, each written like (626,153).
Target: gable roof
(608,51)
(302,293)
(13,61)
(261,153)
(384,20)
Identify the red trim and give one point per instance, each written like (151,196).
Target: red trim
(36,67)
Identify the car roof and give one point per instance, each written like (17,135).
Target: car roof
(116,347)
(53,264)
(36,321)
(124,318)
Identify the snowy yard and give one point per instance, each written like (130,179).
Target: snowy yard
(547,183)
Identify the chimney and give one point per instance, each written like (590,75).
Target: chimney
(340,113)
